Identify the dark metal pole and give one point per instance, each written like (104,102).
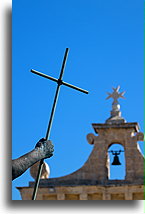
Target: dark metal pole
(47,136)
(59,83)
(52,112)
(37,180)
(50,122)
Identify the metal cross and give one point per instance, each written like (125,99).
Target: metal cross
(59,82)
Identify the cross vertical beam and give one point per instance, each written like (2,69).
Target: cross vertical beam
(59,83)
(57,93)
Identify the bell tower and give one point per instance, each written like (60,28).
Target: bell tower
(92,181)
(117,130)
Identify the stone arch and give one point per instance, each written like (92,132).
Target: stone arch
(115,142)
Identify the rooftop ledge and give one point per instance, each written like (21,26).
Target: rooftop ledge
(97,126)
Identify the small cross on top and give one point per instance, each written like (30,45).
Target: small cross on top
(116,95)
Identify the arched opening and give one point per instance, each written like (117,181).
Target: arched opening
(116,162)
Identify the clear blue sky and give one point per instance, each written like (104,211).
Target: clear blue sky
(106,50)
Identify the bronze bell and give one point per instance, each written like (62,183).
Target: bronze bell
(116,160)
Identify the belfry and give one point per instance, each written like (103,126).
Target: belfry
(91,181)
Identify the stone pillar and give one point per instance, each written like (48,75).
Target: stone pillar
(60,196)
(83,196)
(128,196)
(106,196)
(134,158)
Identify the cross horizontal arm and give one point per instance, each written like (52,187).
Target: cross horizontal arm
(44,75)
(57,80)
(75,87)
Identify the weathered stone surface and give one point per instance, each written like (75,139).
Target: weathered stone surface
(112,192)
(91,181)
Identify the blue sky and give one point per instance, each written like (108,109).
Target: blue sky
(106,50)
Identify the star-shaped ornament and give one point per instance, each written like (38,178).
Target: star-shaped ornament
(116,95)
